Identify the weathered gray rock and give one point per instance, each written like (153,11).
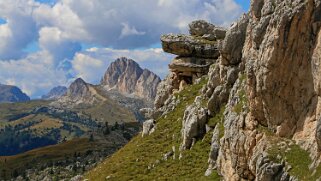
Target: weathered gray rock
(147,113)
(195,118)
(149,127)
(232,46)
(206,30)
(200,28)
(268,171)
(165,89)
(167,155)
(215,147)
(189,46)
(190,65)
(256,7)
(318,134)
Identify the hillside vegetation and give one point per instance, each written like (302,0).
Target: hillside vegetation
(143,158)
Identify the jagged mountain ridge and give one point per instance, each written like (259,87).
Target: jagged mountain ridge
(55,93)
(10,93)
(126,76)
(261,103)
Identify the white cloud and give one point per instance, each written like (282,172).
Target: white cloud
(88,68)
(128,31)
(59,29)
(34,74)
(20,28)
(102,22)
(54,40)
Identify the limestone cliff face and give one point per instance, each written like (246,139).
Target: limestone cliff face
(277,89)
(263,79)
(126,76)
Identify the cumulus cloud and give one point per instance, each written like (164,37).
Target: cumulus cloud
(128,31)
(53,40)
(105,22)
(34,74)
(19,30)
(62,26)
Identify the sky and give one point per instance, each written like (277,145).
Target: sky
(46,43)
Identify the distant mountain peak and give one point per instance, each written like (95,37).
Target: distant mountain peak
(55,93)
(79,92)
(9,93)
(79,81)
(126,76)
(79,88)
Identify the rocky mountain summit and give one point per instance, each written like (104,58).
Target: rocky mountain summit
(127,77)
(79,93)
(55,93)
(10,93)
(249,101)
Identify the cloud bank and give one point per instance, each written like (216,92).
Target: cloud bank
(61,28)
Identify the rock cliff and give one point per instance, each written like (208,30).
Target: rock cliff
(12,94)
(261,103)
(126,76)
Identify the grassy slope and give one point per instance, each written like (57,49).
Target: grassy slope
(46,154)
(135,161)
(293,154)
(11,109)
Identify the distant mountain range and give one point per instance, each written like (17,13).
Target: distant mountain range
(55,93)
(108,114)
(9,93)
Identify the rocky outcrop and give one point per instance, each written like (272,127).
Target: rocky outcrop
(149,127)
(275,88)
(232,46)
(146,112)
(55,93)
(10,93)
(189,66)
(265,73)
(194,120)
(206,30)
(187,45)
(127,77)
(195,56)
(213,155)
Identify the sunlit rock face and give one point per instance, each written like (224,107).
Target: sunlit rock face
(127,77)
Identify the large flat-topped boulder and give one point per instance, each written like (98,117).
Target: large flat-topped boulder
(206,30)
(190,46)
(191,64)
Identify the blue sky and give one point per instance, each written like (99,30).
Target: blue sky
(46,43)
(245,4)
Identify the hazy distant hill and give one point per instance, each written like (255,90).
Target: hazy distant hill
(55,93)
(10,93)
